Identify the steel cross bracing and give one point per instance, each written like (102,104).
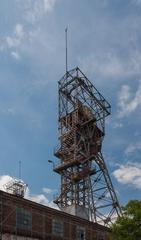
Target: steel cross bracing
(86,187)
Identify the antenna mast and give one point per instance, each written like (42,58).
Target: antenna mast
(16,186)
(19,169)
(66,38)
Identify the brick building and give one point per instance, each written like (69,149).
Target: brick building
(23,219)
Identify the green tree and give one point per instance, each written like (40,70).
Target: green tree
(128,226)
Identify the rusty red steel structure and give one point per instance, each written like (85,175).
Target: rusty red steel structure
(86,187)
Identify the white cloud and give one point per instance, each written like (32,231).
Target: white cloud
(15,55)
(3,180)
(12,42)
(109,66)
(129,174)
(32,11)
(132,148)
(117,125)
(47,190)
(39,198)
(17,38)
(127,102)
(19,32)
(113,65)
(49,4)
(35,9)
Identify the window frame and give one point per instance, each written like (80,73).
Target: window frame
(58,227)
(79,231)
(23,219)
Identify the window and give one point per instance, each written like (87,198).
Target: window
(57,227)
(23,219)
(101,237)
(80,233)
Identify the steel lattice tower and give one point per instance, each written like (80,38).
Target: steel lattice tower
(86,187)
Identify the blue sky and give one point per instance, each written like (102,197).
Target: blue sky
(104,40)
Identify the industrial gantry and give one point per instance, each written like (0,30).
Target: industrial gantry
(86,187)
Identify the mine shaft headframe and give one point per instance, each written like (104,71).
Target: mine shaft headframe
(74,86)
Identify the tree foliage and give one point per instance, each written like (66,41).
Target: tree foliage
(128,226)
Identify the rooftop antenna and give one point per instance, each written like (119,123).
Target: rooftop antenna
(20,169)
(15,186)
(66,39)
